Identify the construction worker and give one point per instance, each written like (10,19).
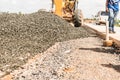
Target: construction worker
(112,6)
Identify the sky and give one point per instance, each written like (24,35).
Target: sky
(88,7)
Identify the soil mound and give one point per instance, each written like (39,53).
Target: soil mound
(24,35)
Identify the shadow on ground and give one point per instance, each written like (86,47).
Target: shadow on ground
(116,67)
(103,50)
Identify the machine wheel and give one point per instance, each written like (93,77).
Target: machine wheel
(77,21)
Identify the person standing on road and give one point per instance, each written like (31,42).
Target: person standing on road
(112,7)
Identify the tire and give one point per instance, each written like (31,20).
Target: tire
(77,19)
(99,23)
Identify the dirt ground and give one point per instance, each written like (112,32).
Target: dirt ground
(62,52)
(79,59)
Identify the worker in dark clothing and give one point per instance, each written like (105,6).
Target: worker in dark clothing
(112,6)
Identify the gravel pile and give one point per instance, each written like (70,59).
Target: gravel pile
(24,35)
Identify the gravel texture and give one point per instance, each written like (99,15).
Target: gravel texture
(73,60)
(22,36)
(63,52)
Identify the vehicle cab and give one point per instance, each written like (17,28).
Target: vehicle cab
(101,17)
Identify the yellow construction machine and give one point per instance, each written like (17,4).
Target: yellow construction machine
(68,10)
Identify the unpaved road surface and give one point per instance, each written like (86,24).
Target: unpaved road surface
(79,59)
(63,52)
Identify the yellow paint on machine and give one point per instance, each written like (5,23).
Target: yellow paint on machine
(58,7)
